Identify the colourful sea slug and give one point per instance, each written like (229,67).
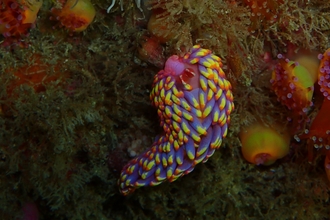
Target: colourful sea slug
(194,101)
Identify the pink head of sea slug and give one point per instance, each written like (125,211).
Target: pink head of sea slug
(194,100)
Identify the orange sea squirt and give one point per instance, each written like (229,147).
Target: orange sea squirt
(162,28)
(75,15)
(17,17)
(264,145)
(293,84)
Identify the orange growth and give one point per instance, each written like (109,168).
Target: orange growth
(161,26)
(17,17)
(75,15)
(319,131)
(294,86)
(36,75)
(264,145)
(263,12)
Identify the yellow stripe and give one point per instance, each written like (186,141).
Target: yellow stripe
(164,162)
(169,173)
(203,85)
(187,86)
(215,76)
(175,99)
(196,137)
(225,133)
(222,104)
(185,128)
(176,145)
(145,163)
(161,84)
(176,118)
(132,168)
(208,74)
(223,120)
(176,126)
(123,177)
(212,85)
(210,94)
(188,116)
(157,158)
(168,112)
(195,103)
(218,94)
(207,111)
(201,130)
(168,147)
(171,138)
(222,117)
(221,84)
(216,116)
(199,113)
(162,94)
(169,85)
(185,105)
(168,100)
(195,60)
(180,136)
(201,53)
(202,100)
(150,165)
(190,155)
(215,57)
(157,172)
(170,159)
(177,110)
(227,84)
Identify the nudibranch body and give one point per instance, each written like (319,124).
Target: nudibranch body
(194,101)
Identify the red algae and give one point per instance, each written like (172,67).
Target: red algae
(263,12)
